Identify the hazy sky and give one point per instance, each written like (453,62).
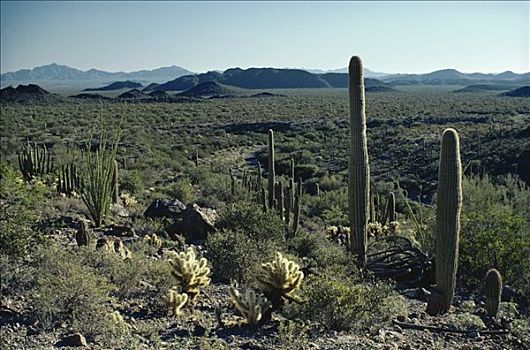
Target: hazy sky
(389,36)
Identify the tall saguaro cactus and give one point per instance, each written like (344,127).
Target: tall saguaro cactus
(272,173)
(448,207)
(359,171)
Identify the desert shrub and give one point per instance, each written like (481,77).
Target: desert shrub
(495,233)
(330,183)
(342,305)
(321,253)
(68,291)
(18,212)
(183,190)
(124,274)
(331,207)
(253,221)
(132,182)
(235,256)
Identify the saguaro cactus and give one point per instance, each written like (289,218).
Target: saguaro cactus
(272,173)
(448,207)
(297,206)
(359,171)
(280,200)
(493,291)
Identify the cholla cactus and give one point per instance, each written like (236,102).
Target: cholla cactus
(176,301)
(190,272)
(128,200)
(251,305)
(117,319)
(393,228)
(280,278)
(375,229)
(121,250)
(153,241)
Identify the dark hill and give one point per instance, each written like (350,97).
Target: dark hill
(210,89)
(117,86)
(266,94)
(159,95)
(484,88)
(150,87)
(271,78)
(268,78)
(521,92)
(91,97)
(133,94)
(26,93)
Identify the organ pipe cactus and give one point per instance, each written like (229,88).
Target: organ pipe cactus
(190,272)
(251,305)
(34,160)
(115,185)
(272,173)
(359,171)
(493,291)
(449,204)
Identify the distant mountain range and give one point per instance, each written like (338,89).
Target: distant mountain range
(180,79)
(54,73)
(267,78)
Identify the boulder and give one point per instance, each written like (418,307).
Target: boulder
(165,208)
(194,223)
(76,339)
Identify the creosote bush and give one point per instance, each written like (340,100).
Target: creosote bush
(342,305)
(67,290)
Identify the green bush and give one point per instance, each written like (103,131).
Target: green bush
(253,221)
(235,256)
(495,232)
(340,304)
(131,182)
(19,212)
(331,207)
(183,190)
(68,291)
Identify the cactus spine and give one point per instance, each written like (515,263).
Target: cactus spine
(359,172)
(493,291)
(449,204)
(272,173)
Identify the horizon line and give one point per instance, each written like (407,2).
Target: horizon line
(325,70)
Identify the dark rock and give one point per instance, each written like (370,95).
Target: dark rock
(165,208)
(435,306)
(120,231)
(199,330)
(422,294)
(76,339)
(195,223)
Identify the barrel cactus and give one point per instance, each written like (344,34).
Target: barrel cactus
(493,291)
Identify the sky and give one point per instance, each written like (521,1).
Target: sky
(391,37)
